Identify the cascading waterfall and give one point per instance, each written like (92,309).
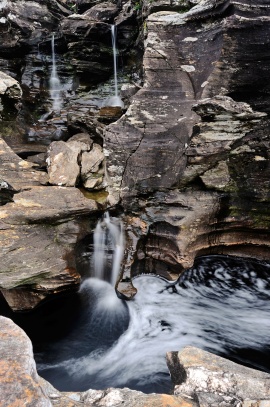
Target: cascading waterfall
(109,242)
(55,84)
(220,305)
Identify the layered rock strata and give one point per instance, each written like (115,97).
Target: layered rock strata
(199,130)
(40,226)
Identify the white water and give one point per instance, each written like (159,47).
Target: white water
(55,84)
(109,241)
(218,312)
(114,101)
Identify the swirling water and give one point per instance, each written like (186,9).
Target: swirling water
(220,305)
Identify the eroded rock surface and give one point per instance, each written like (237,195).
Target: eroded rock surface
(198,124)
(215,379)
(40,226)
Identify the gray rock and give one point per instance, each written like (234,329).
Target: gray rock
(105,12)
(91,171)
(83,138)
(9,87)
(203,372)
(62,163)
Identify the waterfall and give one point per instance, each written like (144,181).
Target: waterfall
(114,32)
(114,101)
(55,85)
(221,305)
(109,244)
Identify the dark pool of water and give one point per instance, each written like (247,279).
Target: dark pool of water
(94,340)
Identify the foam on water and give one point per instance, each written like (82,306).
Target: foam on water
(214,307)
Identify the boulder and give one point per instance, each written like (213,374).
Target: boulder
(62,163)
(195,371)
(91,161)
(92,168)
(40,226)
(9,87)
(19,381)
(77,160)
(39,231)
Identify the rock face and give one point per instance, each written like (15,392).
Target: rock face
(40,226)
(198,127)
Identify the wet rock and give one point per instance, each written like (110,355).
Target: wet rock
(89,46)
(84,5)
(109,114)
(39,231)
(84,139)
(202,373)
(26,23)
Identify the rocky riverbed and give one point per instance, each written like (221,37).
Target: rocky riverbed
(184,162)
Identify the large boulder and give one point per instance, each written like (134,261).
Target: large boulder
(19,381)
(197,372)
(78,161)
(40,226)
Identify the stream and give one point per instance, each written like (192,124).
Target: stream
(220,305)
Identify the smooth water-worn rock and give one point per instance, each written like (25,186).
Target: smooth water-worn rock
(39,231)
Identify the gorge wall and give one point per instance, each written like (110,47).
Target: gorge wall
(186,165)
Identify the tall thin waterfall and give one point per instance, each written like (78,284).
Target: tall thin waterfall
(114,33)
(114,101)
(109,244)
(55,85)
